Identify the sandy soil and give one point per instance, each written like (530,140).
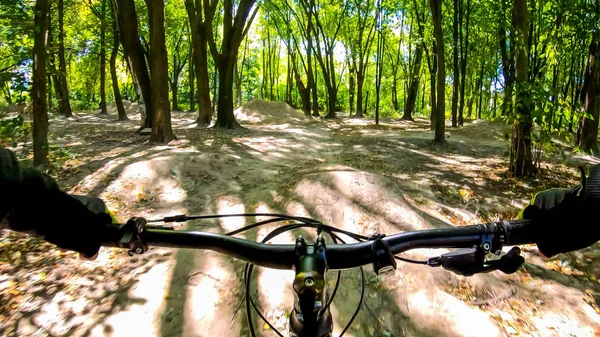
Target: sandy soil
(348,173)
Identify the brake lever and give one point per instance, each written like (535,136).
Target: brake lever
(470,261)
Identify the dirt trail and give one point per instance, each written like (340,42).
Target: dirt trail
(348,173)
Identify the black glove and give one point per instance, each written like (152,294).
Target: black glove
(567,220)
(10,178)
(36,205)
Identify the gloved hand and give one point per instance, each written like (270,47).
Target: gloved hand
(10,178)
(33,203)
(567,219)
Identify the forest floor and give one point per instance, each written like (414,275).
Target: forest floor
(349,173)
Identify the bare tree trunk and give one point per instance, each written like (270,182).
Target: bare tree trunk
(103,110)
(134,53)
(38,89)
(65,105)
(360,80)
(521,163)
(456,72)
(238,86)
(351,88)
(440,120)
(161,123)
(113,69)
(312,85)
(463,63)
(191,76)
(413,88)
(198,30)
(587,133)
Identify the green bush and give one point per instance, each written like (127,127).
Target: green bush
(13,130)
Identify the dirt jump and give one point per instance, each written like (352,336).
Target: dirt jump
(348,173)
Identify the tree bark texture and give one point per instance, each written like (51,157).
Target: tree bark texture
(440,120)
(159,71)
(521,162)
(65,105)
(134,53)
(38,88)
(113,68)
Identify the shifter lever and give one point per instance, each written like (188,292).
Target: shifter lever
(470,261)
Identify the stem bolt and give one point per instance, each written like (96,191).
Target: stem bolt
(309,281)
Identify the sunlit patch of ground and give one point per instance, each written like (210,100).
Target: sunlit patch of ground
(348,173)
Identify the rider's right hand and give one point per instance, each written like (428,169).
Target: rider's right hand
(566,219)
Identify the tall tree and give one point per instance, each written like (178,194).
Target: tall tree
(359,34)
(199,29)
(159,70)
(456,68)
(38,89)
(325,42)
(191,77)
(521,162)
(507,53)
(464,52)
(309,6)
(179,58)
(103,58)
(113,67)
(440,119)
(127,24)
(235,28)
(415,70)
(65,105)
(587,132)
(380,56)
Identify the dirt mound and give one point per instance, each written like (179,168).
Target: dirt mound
(259,110)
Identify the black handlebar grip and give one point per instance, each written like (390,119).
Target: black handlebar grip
(519,232)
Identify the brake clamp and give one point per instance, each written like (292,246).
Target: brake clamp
(131,238)
(384,263)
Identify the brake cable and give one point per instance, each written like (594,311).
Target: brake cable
(303,222)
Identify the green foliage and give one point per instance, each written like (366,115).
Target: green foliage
(13,130)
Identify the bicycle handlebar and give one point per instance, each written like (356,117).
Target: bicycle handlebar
(339,256)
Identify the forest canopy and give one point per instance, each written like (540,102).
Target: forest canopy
(532,63)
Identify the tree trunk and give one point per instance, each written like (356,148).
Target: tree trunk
(238,86)
(103,110)
(200,64)
(351,89)
(225,117)
(455,62)
(440,125)
(413,88)
(65,105)
(38,88)
(205,109)
(521,163)
(134,53)
(175,93)
(587,133)
(576,91)
(113,69)
(159,70)
(432,87)
(191,76)
(463,63)
(360,80)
